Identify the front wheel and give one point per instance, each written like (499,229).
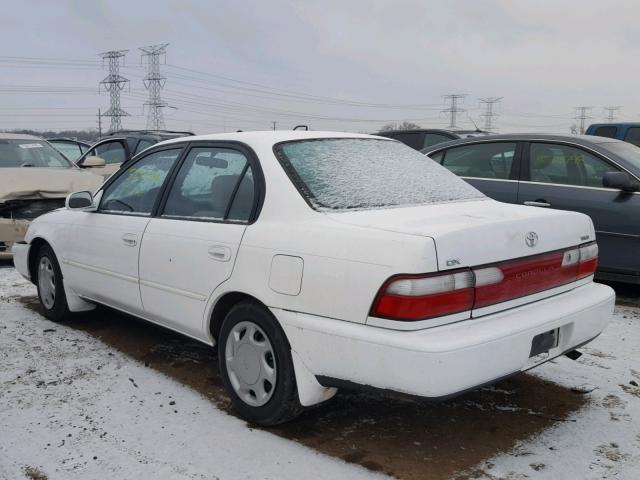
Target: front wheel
(50,287)
(256,366)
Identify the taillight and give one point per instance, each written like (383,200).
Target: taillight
(588,260)
(420,297)
(417,297)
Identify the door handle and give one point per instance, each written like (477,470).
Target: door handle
(537,203)
(220,253)
(130,239)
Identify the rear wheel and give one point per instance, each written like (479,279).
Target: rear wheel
(50,287)
(256,366)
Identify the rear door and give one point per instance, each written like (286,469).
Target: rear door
(568,177)
(491,167)
(190,247)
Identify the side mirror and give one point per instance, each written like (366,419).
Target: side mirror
(80,201)
(93,162)
(620,181)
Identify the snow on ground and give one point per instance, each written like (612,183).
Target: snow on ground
(603,439)
(73,408)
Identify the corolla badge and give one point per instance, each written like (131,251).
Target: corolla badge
(531,239)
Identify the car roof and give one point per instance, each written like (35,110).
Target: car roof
(269,136)
(620,124)
(18,136)
(585,140)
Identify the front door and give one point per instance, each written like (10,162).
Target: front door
(190,247)
(570,178)
(102,255)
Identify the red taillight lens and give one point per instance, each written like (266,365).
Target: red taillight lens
(419,297)
(588,260)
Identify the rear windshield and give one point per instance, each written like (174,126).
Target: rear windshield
(364,173)
(30,153)
(627,151)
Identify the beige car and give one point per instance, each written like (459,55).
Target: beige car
(34,179)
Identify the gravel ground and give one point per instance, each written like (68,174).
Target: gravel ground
(107,396)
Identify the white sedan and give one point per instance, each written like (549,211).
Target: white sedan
(323,260)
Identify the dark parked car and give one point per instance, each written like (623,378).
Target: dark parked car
(594,175)
(118,147)
(629,132)
(424,138)
(69,147)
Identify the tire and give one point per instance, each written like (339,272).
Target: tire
(50,287)
(252,361)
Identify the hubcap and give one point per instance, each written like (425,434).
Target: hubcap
(46,283)
(251,363)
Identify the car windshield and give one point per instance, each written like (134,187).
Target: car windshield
(30,153)
(363,173)
(627,151)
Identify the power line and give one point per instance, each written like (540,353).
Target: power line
(454,110)
(154,82)
(489,114)
(114,83)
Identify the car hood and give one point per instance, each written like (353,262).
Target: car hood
(43,183)
(478,232)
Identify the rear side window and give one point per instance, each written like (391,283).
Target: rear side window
(413,139)
(213,183)
(566,165)
(143,145)
(481,160)
(609,132)
(367,173)
(431,139)
(633,136)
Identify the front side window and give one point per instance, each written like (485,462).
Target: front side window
(30,153)
(367,173)
(481,160)
(566,165)
(111,152)
(136,189)
(633,136)
(208,181)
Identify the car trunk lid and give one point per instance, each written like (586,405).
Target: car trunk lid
(473,233)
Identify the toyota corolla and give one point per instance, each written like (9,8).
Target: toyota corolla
(316,261)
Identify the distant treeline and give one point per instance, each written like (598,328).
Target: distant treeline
(88,136)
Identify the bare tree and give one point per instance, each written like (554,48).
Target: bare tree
(400,126)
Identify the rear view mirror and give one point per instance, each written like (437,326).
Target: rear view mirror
(93,162)
(620,181)
(211,162)
(79,201)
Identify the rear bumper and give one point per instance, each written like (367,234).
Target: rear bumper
(442,361)
(11,231)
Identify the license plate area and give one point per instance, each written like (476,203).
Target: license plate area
(544,342)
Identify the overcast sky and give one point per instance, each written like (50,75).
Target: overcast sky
(343,65)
